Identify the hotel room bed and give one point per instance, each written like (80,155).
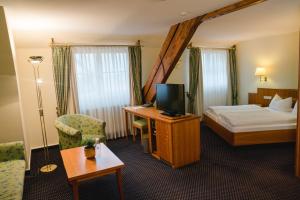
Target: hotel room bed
(252,124)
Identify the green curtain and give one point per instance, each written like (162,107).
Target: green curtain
(194,64)
(233,75)
(61,58)
(135,64)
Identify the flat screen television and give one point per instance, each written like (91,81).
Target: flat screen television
(170,99)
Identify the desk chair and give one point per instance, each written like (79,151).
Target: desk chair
(142,125)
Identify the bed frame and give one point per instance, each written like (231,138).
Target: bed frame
(257,137)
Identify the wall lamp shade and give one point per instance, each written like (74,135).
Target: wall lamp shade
(261,72)
(35,59)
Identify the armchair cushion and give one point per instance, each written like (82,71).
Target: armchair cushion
(11,151)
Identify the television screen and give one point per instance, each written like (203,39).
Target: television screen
(170,98)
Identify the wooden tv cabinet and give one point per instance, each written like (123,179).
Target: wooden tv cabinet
(173,140)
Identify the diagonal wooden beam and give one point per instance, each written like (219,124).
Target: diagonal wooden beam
(169,55)
(161,55)
(229,9)
(177,39)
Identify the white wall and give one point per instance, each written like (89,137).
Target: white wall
(149,55)
(10,118)
(278,54)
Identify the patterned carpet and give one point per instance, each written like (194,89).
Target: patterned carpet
(254,172)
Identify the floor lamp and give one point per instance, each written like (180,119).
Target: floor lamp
(35,62)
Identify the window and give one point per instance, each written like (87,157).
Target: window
(103,87)
(215,72)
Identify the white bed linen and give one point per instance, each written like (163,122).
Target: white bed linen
(257,117)
(221,109)
(250,128)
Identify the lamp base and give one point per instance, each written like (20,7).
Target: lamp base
(48,168)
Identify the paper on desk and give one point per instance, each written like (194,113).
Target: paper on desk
(137,107)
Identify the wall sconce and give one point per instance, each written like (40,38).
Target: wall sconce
(261,72)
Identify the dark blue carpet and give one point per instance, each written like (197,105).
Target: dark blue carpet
(224,172)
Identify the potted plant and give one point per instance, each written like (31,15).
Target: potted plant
(89,149)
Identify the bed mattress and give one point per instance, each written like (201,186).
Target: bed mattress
(249,128)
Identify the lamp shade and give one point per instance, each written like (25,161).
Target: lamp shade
(260,71)
(35,59)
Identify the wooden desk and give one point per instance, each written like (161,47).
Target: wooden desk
(79,168)
(177,139)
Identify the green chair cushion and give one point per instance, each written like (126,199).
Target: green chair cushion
(12,179)
(145,136)
(141,123)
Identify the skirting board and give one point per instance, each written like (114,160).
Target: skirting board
(42,147)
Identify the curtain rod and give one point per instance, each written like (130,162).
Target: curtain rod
(92,45)
(191,46)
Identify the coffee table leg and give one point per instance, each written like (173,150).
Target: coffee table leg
(119,180)
(126,124)
(75,190)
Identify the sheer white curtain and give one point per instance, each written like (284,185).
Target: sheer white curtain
(215,77)
(103,85)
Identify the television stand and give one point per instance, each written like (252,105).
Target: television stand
(175,140)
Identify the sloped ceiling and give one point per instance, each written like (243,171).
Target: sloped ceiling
(34,22)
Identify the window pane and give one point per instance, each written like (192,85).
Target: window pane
(215,70)
(102,75)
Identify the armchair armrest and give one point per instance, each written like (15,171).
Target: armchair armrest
(11,151)
(66,129)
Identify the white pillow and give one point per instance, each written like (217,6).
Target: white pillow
(273,101)
(295,109)
(280,104)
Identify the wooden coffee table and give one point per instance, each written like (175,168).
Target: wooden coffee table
(79,168)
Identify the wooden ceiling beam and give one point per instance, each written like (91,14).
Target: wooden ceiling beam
(229,9)
(177,39)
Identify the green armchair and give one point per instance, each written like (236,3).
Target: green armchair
(75,130)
